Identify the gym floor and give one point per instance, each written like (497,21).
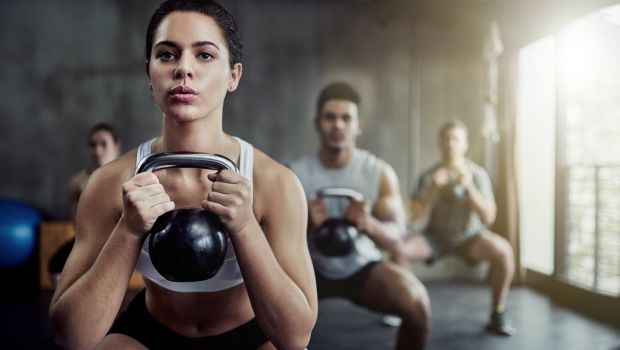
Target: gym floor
(460,311)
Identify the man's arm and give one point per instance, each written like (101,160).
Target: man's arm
(316,213)
(385,223)
(422,205)
(480,195)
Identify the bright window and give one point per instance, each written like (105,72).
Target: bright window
(570,83)
(590,100)
(535,130)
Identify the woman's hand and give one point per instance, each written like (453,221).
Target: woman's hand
(144,200)
(230,199)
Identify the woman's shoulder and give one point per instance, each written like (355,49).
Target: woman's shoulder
(103,191)
(272,177)
(115,172)
(276,188)
(269,171)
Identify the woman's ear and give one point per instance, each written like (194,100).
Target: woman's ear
(235,76)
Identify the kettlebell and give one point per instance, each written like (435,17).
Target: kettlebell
(187,244)
(336,237)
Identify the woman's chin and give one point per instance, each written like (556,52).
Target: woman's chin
(183,113)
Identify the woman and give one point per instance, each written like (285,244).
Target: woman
(192,61)
(104,145)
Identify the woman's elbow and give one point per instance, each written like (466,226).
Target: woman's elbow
(294,342)
(56,319)
(67,336)
(66,340)
(62,336)
(298,338)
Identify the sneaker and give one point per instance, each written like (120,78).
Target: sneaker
(392,320)
(500,324)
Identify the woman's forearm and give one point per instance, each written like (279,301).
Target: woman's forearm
(84,312)
(281,307)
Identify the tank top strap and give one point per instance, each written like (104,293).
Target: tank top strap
(144,150)
(246,159)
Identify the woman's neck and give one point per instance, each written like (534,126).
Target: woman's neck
(203,135)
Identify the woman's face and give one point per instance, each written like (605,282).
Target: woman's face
(102,148)
(189,68)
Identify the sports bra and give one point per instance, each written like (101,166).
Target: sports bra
(229,274)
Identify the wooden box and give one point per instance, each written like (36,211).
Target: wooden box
(52,236)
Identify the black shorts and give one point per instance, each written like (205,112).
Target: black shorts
(348,288)
(138,324)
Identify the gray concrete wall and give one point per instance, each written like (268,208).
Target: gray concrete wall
(70,64)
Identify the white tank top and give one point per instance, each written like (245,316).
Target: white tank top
(229,274)
(363,174)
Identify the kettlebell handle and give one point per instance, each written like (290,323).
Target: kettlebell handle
(185,160)
(340,192)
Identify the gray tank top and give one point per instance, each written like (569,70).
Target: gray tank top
(229,274)
(363,174)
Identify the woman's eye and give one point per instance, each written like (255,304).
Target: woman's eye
(165,55)
(205,56)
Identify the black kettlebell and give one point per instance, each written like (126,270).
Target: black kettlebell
(336,237)
(187,244)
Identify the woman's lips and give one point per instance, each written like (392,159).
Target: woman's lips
(183,94)
(183,97)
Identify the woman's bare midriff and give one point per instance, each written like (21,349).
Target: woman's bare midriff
(199,314)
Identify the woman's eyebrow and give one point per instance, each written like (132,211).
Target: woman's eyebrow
(196,44)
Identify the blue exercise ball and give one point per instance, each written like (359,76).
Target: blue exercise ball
(19,223)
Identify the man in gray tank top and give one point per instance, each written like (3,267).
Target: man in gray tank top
(361,275)
(457,198)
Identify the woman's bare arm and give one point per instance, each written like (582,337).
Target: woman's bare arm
(274,259)
(95,278)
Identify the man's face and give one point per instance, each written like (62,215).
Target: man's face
(453,143)
(102,148)
(338,125)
